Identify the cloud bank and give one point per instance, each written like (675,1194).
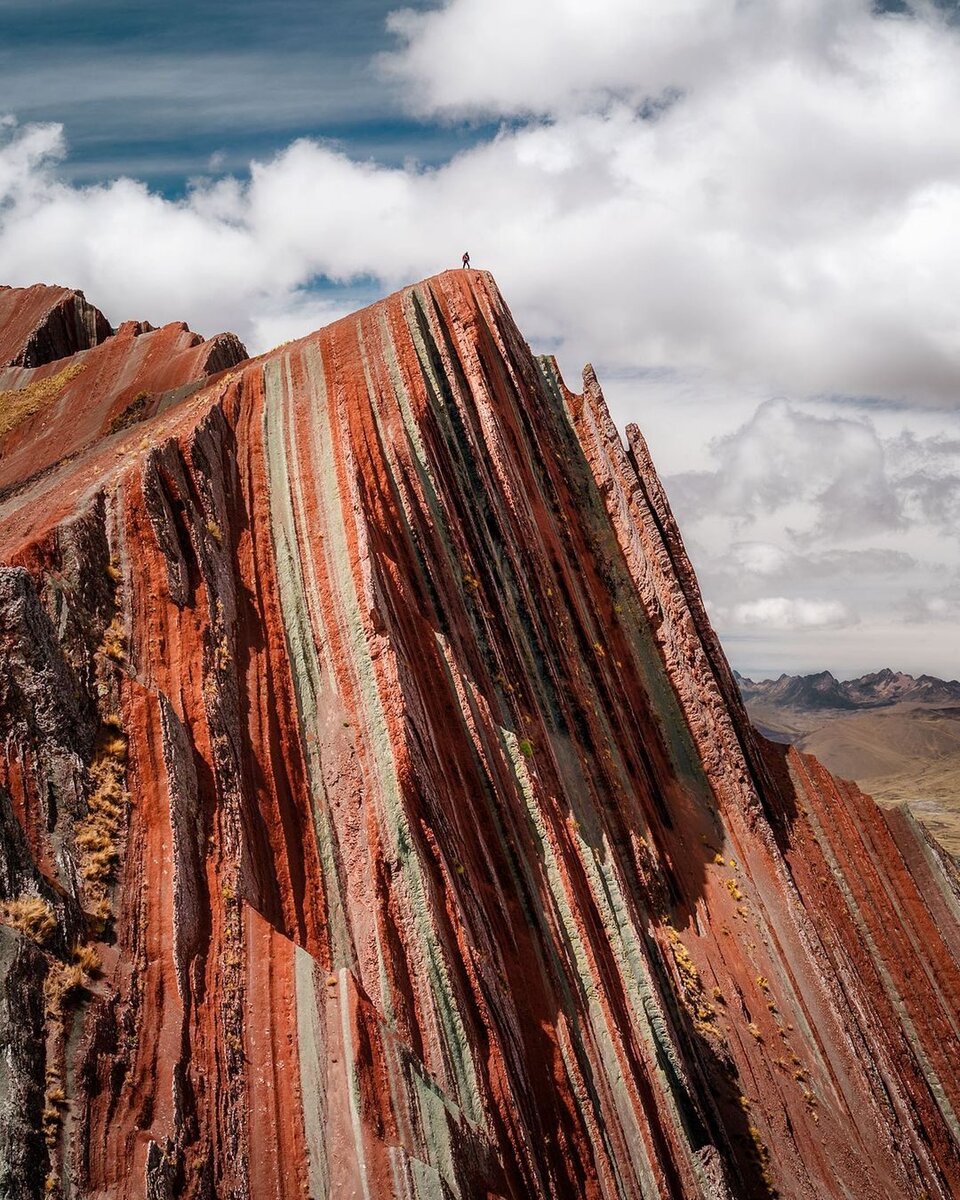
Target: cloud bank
(716,201)
(767,192)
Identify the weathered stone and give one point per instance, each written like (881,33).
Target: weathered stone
(438,857)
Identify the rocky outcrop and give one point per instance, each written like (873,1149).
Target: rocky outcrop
(52,412)
(382,818)
(40,324)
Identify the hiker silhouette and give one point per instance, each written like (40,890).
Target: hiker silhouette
(466,260)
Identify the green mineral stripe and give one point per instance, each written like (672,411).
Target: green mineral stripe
(305,666)
(311,1049)
(414,1179)
(673,723)
(427,1182)
(352,1071)
(326,491)
(597,1018)
(379,751)
(893,992)
(631,965)
(435,1113)
(506,561)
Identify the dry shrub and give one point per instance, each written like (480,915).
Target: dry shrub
(114,644)
(63,985)
(691,986)
(98,835)
(62,990)
(30,915)
(17,406)
(131,414)
(88,960)
(763,1154)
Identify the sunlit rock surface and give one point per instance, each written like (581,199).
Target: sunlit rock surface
(40,323)
(380,817)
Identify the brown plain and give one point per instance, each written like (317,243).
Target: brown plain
(906,752)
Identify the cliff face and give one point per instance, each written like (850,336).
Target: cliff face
(380,817)
(40,324)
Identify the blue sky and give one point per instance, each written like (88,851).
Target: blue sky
(743,212)
(157,90)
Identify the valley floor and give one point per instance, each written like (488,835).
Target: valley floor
(904,752)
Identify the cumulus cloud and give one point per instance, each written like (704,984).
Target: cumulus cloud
(781,613)
(781,174)
(715,201)
(784,456)
(454,59)
(762,560)
(927,472)
(847,523)
(763,192)
(920,608)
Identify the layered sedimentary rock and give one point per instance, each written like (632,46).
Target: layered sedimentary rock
(40,324)
(52,411)
(380,817)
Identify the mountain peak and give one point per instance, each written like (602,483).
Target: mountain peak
(380,816)
(876,689)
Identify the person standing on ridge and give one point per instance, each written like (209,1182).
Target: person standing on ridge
(466,260)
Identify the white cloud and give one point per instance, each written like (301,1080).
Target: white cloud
(781,613)
(786,222)
(788,214)
(850,526)
(716,201)
(456,59)
(303,315)
(759,558)
(920,608)
(784,456)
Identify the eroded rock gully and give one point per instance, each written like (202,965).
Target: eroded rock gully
(380,818)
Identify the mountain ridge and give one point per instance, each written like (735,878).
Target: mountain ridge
(380,816)
(873,690)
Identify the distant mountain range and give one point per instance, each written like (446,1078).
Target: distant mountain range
(881,689)
(897,735)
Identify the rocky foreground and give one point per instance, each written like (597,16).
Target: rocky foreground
(380,817)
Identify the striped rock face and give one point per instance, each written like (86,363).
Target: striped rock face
(380,818)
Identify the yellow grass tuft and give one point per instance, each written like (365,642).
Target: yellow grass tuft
(131,414)
(16,407)
(691,987)
(114,644)
(88,960)
(764,1156)
(30,915)
(98,834)
(62,989)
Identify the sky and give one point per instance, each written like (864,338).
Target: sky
(744,213)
